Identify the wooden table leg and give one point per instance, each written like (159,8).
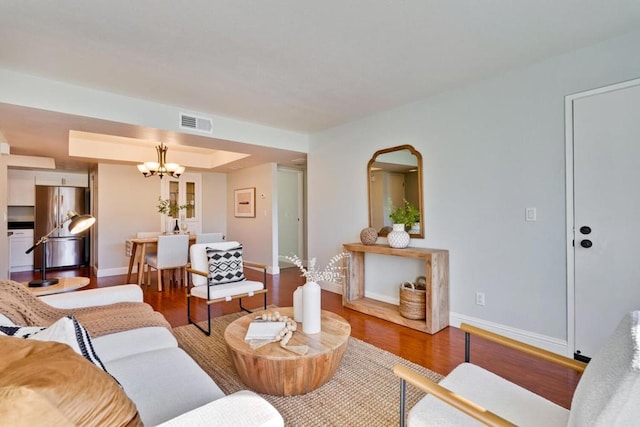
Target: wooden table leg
(143,249)
(134,245)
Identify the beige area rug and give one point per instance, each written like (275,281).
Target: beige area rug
(363,392)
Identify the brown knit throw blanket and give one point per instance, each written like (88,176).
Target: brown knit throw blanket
(25,309)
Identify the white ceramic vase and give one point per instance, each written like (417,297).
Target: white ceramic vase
(311,310)
(297,304)
(398,238)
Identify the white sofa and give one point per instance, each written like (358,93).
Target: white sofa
(166,385)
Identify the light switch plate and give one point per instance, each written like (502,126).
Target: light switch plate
(530,214)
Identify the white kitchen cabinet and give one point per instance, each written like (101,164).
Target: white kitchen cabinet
(21,190)
(19,242)
(69,179)
(186,191)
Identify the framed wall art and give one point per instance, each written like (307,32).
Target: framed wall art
(244,203)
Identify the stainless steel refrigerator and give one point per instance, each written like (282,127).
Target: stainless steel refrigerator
(63,248)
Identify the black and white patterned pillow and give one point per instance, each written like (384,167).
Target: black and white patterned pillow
(66,330)
(225,266)
(20,331)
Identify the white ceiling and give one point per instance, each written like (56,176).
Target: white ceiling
(294,64)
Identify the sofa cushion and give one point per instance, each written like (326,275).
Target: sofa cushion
(134,341)
(510,401)
(607,393)
(232,410)
(163,383)
(225,266)
(95,297)
(4,320)
(228,290)
(20,331)
(78,389)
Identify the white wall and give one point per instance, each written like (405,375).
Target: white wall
(4,239)
(127,203)
(214,203)
(490,150)
(258,235)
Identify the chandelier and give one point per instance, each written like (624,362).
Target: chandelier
(161,167)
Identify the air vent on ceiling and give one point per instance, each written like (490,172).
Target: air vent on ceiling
(200,124)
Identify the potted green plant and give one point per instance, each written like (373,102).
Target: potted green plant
(406,214)
(403,219)
(165,207)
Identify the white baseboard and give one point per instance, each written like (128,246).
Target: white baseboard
(21,268)
(274,270)
(554,345)
(384,298)
(106,272)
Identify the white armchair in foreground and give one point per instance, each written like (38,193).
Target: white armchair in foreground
(606,395)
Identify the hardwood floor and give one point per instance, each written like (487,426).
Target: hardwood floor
(440,352)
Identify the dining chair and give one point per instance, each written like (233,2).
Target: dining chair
(142,268)
(172,253)
(209,237)
(216,274)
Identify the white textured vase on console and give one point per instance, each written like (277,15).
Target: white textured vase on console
(297,304)
(398,238)
(311,310)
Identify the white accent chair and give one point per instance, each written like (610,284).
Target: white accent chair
(606,395)
(209,237)
(173,252)
(198,281)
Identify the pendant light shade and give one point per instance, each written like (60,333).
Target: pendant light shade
(161,167)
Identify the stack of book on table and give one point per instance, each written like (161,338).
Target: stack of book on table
(263,330)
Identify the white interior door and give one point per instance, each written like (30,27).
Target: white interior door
(290,212)
(606,212)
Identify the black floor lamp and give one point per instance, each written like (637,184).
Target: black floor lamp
(77,224)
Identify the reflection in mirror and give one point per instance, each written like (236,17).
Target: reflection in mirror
(394,175)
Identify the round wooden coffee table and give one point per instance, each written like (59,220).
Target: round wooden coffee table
(65,284)
(271,369)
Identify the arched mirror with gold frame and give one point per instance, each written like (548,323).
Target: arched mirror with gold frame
(394,175)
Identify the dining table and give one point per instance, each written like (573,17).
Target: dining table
(141,244)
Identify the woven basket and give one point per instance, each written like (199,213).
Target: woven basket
(413,303)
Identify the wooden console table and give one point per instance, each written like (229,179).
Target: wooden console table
(437,294)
